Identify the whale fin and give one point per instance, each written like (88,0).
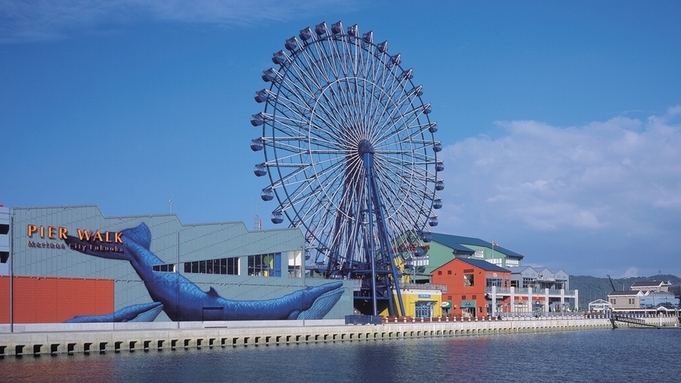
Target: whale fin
(146,312)
(148,315)
(212,293)
(322,305)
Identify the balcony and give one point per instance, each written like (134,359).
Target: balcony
(423,286)
(506,291)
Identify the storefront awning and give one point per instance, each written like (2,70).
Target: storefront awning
(468,303)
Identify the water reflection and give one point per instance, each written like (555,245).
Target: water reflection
(575,356)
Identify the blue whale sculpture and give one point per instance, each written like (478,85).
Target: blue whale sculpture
(183,300)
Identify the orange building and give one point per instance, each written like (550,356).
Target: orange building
(466,280)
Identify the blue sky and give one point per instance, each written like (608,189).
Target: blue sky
(561,121)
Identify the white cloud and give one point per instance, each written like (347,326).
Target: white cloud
(619,174)
(22,21)
(631,272)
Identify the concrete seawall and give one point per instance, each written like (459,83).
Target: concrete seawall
(62,338)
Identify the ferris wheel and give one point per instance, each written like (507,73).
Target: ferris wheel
(350,154)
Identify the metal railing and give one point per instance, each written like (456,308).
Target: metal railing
(424,286)
(525,291)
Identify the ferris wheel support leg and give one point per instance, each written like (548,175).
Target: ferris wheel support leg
(371,245)
(375,206)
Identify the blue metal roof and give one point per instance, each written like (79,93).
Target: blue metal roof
(456,242)
(449,241)
(482,264)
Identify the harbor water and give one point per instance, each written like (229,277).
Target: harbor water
(603,355)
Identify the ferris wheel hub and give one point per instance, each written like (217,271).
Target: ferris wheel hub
(364,147)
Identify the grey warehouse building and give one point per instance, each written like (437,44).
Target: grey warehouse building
(73,264)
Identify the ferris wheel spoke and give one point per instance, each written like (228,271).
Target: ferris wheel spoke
(324,55)
(286,101)
(321,217)
(389,116)
(338,49)
(406,117)
(295,87)
(292,160)
(339,200)
(398,132)
(289,145)
(417,156)
(331,110)
(339,103)
(295,196)
(307,71)
(406,187)
(313,62)
(287,177)
(304,194)
(330,129)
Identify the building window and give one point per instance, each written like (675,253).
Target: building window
(165,268)
(439,272)
(232,266)
(265,265)
(4,228)
(423,310)
(493,282)
(449,272)
(295,264)
(512,262)
(225,266)
(468,279)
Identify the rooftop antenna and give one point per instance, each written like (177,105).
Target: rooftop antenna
(257,222)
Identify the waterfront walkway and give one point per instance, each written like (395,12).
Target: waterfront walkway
(131,337)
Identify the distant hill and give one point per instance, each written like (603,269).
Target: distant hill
(592,288)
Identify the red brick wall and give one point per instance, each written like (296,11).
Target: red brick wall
(54,300)
(451,274)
